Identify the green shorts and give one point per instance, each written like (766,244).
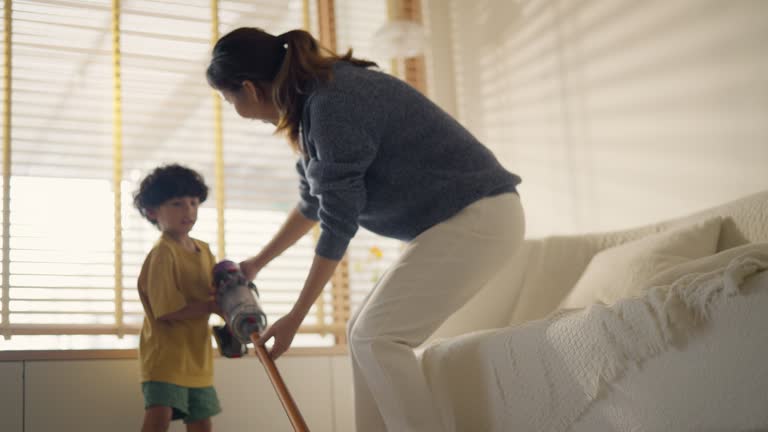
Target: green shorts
(189,404)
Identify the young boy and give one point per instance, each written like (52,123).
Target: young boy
(175,288)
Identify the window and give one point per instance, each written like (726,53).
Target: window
(72,264)
(60,257)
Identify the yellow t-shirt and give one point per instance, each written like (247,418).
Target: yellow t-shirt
(178,351)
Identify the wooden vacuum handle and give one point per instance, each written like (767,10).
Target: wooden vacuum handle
(297,421)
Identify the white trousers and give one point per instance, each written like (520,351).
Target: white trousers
(439,271)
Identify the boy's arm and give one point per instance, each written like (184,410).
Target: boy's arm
(194,310)
(166,300)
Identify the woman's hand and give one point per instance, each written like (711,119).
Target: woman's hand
(283,331)
(250,268)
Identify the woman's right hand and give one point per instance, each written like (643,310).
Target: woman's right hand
(283,332)
(250,268)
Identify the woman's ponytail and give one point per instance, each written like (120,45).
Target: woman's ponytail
(303,66)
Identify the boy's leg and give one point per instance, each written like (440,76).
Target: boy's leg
(157,419)
(203,404)
(203,425)
(163,402)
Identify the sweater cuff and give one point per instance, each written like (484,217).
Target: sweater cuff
(308,210)
(331,246)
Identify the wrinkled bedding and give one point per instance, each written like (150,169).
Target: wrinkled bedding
(681,357)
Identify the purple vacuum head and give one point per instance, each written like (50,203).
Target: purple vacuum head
(223,270)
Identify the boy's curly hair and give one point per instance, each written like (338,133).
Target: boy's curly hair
(167,182)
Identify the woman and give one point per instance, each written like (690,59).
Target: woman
(374,152)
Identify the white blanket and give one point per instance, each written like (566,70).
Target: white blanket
(548,372)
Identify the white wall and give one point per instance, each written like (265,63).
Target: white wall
(11,400)
(100,395)
(615,112)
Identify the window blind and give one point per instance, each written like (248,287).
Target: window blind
(70,283)
(261,182)
(369,254)
(60,251)
(167,118)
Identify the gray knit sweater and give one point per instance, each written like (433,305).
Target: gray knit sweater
(380,155)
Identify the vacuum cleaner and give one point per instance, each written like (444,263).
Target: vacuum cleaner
(245,320)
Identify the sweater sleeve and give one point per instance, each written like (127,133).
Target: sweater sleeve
(344,151)
(308,204)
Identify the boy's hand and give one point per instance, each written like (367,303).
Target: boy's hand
(214,308)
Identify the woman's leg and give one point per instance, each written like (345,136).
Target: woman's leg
(438,273)
(367,415)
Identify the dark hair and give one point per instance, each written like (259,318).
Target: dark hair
(167,182)
(292,62)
